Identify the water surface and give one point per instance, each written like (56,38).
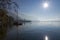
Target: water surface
(34,31)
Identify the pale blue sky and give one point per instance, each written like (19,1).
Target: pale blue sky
(33,9)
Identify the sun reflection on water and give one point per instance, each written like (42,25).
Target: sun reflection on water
(46,37)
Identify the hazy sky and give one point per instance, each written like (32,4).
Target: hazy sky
(34,10)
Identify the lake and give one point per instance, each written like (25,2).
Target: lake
(33,31)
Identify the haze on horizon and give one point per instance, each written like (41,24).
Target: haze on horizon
(37,10)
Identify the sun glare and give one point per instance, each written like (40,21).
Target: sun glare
(45,5)
(46,37)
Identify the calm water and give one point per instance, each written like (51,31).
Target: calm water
(33,31)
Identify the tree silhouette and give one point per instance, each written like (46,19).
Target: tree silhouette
(5,7)
(8,5)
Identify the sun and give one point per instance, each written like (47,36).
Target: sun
(45,5)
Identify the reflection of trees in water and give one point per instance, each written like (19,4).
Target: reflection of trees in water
(3,32)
